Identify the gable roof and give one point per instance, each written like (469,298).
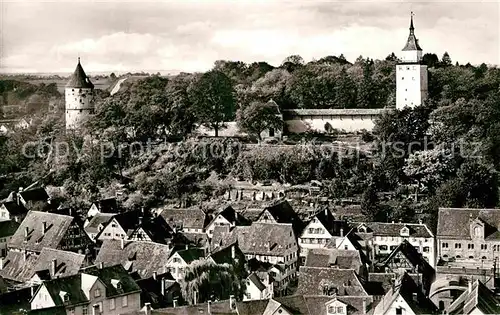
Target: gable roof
(18,267)
(98,219)
(191,254)
(405,287)
(79,79)
(394,229)
(188,218)
(224,255)
(107,205)
(356,305)
(232,217)
(110,273)
(8,228)
(343,259)
(35,194)
(14,208)
(157,229)
(67,263)
(282,212)
(256,281)
(454,223)
(57,226)
(334,227)
(140,256)
(313,280)
(270,239)
(476,296)
(410,252)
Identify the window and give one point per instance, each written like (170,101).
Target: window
(383,247)
(112,304)
(124,301)
(444,245)
(458,245)
(332,310)
(85,310)
(113,225)
(477,231)
(66,298)
(426,249)
(458,256)
(311,231)
(470,246)
(176,260)
(399,311)
(484,247)
(340,310)
(97,293)
(484,257)
(402,78)
(72,311)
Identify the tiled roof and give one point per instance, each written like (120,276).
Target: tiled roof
(394,229)
(129,220)
(313,280)
(405,287)
(335,112)
(412,42)
(317,304)
(8,228)
(232,216)
(223,255)
(68,263)
(79,79)
(222,236)
(282,212)
(157,229)
(35,194)
(253,307)
(198,239)
(17,268)
(188,218)
(116,272)
(100,218)
(217,308)
(143,257)
(108,205)
(334,227)
(410,252)
(476,296)
(256,281)
(14,208)
(343,259)
(454,223)
(191,254)
(272,239)
(56,224)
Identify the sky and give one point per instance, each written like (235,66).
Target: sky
(122,36)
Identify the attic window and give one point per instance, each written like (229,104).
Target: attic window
(116,283)
(405,231)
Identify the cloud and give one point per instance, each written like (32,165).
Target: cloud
(191,35)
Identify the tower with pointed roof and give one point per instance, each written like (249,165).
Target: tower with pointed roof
(411,74)
(79,97)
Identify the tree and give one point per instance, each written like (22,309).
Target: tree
(345,91)
(431,60)
(259,116)
(446,60)
(295,59)
(213,99)
(370,204)
(391,57)
(205,280)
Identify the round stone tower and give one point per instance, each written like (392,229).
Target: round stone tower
(79,95)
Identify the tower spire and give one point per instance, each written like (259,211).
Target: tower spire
(412,29)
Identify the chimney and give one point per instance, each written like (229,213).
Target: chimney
(195,297)
(1,263)
(469,289)
(187,246)
(53,266)
(25,255)
(364,307)
(155,274)
(26,232)
(175,303)
(32,291)
(44,227)
(163,287)
(341,232)
(101,265)
(233,252)
(122,243)
(232,302)
(96,309)
(415,297)
(147,308)
(140,221)
(209,307)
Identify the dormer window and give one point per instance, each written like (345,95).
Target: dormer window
(405,231)
(116,283)
(477,229)
(64,296)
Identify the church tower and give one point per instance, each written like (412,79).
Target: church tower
(411,75)
(79,96)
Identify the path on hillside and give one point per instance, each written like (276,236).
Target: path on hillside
(117,86)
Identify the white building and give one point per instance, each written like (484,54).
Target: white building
(411,75)
(79,95)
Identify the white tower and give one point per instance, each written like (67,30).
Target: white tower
(79,95)
(411,75)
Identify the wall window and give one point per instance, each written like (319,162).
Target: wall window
(72,311)
(484,247)
(97,293)
(383,247)
(399,311)
(85,310)
(458,245)
(124,301)
(444,245)
(470,246)
(426,249)
(112,304)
